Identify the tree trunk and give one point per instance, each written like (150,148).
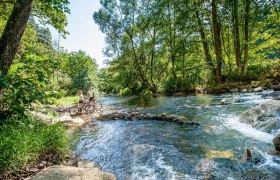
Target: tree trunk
(246,36)
(217,42)
(13,32)
(236,38)
(172,36)
(207,54)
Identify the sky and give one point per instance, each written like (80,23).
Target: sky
(84,33)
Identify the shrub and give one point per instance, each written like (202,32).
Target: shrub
(125,92)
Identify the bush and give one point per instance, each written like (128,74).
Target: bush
(23,141)
(125,92)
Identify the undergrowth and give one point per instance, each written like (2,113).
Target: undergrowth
(23,141)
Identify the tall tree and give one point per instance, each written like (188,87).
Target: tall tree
(246,36)
(236,36)
(13,32)
(217,41)
(51,11)
(208,58)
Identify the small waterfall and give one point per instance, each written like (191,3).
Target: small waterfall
(233,122)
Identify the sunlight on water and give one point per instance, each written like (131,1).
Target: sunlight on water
(248,130)
(219,154)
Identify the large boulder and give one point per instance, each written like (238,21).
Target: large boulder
(72,173)
(265,116)
(276,142)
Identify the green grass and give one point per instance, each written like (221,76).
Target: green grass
(23,141)
(66,100)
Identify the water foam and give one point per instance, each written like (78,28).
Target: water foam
(270,160)
(247,130)
(145,172)
(173,175)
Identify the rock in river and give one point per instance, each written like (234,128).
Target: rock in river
(276,142)
(265,116)
(140,115)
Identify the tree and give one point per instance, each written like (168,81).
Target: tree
(236,37)
(13,32)
(217,41)
(17,22)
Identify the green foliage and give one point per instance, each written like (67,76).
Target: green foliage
(53,13)
(125,92)
(24,140)
(81,69)
(26,84)
(158,44)
(171,85)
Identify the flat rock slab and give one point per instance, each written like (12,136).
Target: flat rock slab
(72,173)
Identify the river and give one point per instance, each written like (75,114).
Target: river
(164,150)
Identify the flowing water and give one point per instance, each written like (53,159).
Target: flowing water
(164,150)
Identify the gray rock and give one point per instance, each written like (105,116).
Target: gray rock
(139,115)
(258,89)
(265,117)
(246,87)
(224,102)
(233,90)
(276,87)
(276,142)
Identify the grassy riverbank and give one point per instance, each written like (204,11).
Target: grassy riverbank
(27,141)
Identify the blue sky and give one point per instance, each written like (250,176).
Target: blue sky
(84,33)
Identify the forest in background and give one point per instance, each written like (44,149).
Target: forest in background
(168,46)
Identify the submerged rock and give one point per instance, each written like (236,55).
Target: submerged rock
(276,142)
(276,87)
(223,101)
(248,155)
(274,94)
(265,116)
(134,115)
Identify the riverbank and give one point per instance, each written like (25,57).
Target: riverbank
(133,113)
(39,142)
(242,87)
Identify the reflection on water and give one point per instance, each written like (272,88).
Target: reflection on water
(163,150)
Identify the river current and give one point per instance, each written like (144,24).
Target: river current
(165,150)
